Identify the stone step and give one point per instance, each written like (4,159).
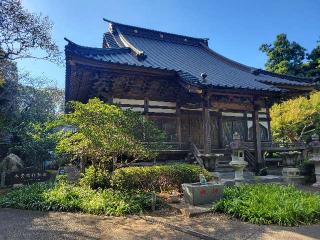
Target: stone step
(226,165)
(230,175)
(230,169)
(223,162)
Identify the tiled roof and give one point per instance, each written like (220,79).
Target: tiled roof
(189,57)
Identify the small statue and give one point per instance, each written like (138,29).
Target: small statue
(203,180)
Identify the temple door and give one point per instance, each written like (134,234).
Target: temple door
(230,126)
(214,130)
(191,127)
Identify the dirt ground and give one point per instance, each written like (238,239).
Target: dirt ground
(22,224)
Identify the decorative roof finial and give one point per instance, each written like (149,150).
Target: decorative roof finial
(204,75)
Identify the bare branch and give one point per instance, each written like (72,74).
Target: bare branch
(21,32)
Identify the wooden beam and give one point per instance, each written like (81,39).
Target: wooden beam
(178,113)
(269,125)
(206,125)
(220,129)
(246,137)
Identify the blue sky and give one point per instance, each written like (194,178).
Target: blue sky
(236,28)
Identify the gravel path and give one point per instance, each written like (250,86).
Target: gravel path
(222,227)
(33,225)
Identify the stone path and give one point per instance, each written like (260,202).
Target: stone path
(21,224)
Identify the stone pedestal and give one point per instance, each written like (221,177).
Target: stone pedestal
(290,159)
(315,157)
(210,161)
(238,167)
(317,173)
(238,163)
(291,175)
(199,194)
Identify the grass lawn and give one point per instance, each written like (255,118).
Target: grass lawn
(74,198)
(270,204)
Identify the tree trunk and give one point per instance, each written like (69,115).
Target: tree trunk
(114,162)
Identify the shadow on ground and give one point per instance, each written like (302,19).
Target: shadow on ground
(31,225)
(220,226)
(23,224)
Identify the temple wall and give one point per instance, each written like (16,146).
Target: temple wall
(175,109)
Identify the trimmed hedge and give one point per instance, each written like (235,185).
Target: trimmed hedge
(270,204)
(157,178)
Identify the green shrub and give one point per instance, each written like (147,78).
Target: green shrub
(270,204)
(157,178)
(72,198)
(95,178)
(26,197)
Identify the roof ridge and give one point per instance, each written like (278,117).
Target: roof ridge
(257,71)
(108,41)
(72,44)
(162,35)
(139,53)
(291,83)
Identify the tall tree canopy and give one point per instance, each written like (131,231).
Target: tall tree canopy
(312,66)
(26,103)
(8,91)
(296,119)
(38,101)
(284,57)
(290,58)
(22,31)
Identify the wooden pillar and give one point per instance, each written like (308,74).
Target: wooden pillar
(269,126)
(206,125)
(246,137)
(220,129)
(178,113)
(257,137)
(145,113)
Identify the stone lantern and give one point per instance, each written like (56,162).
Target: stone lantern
(315,157)
(291,158)
(238,163)
(290,171)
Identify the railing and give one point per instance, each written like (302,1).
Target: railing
(196,153)
(283,146)
(249,145)
(250,158)
(165,146)
(277,146)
